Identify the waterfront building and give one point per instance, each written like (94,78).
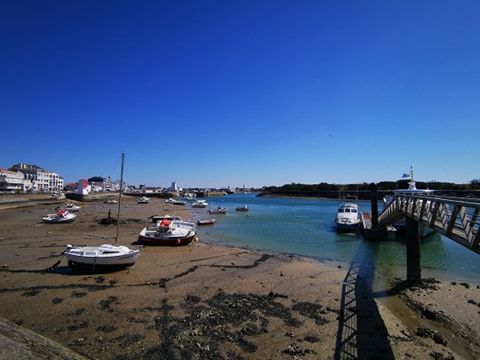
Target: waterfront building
(14,182)
(41,180)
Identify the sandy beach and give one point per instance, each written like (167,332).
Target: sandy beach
(205,301)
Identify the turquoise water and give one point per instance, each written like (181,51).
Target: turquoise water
(305,227)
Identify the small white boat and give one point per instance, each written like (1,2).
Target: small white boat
(170,200)
(218,210)
(206,222)
(143,200)
(167,233)
(61,216)
(71,207)
(200,203)
(105,255)
(157,218)
(348,215)
(244,207)
(179,202)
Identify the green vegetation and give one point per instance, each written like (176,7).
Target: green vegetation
(363,191)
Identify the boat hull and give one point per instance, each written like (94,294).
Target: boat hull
(347,227)
(166,241)
(57,220)
(88,256)
(206,222)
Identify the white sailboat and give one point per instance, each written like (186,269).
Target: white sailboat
(105,256)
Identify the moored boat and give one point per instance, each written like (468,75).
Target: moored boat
(243,207)
(218,210)
(167,233)
(411,190)
(157,218)
(60,217)
(348,216)
(206,221)
(71,207)
(105,256)
(200,203)
(143,200)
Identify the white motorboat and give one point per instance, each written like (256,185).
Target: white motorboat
(200,203)
(143,200)
(411,190)
(243,207)
(105,256)
(61,216)
(206,221)
(348,215)
(156,218)
(71,207)
(168,233)
(218,210)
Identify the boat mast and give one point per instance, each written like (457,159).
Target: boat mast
(119,199)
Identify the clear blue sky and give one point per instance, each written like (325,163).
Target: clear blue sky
(233,93)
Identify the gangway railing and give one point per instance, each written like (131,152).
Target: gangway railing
(454,217)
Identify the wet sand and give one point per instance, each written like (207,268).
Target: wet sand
(212,302)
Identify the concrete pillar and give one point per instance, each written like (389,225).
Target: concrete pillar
(414,271)
(374,206)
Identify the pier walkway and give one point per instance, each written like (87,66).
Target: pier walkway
(454,217)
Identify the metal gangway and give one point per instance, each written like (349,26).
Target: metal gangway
(454,217)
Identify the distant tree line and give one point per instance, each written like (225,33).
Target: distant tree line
(364,190)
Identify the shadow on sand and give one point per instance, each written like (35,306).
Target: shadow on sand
(361,331)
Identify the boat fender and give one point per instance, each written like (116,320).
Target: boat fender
(178,242)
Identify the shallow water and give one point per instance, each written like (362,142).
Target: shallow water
(305,227)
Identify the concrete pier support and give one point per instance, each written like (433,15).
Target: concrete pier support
(374,206)
(414,271)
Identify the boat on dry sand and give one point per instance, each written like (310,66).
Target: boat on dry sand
(169,233)
(60,217)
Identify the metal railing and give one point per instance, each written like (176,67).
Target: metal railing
(453,217)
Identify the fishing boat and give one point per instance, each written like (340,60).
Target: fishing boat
(206,222)
(105,256)
(167,233)
(348,216)
(218,210)
(60,217)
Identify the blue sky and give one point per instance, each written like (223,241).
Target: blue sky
(233,93)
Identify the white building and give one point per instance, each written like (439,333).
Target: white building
(13,182)
(48,181)
(40,179)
